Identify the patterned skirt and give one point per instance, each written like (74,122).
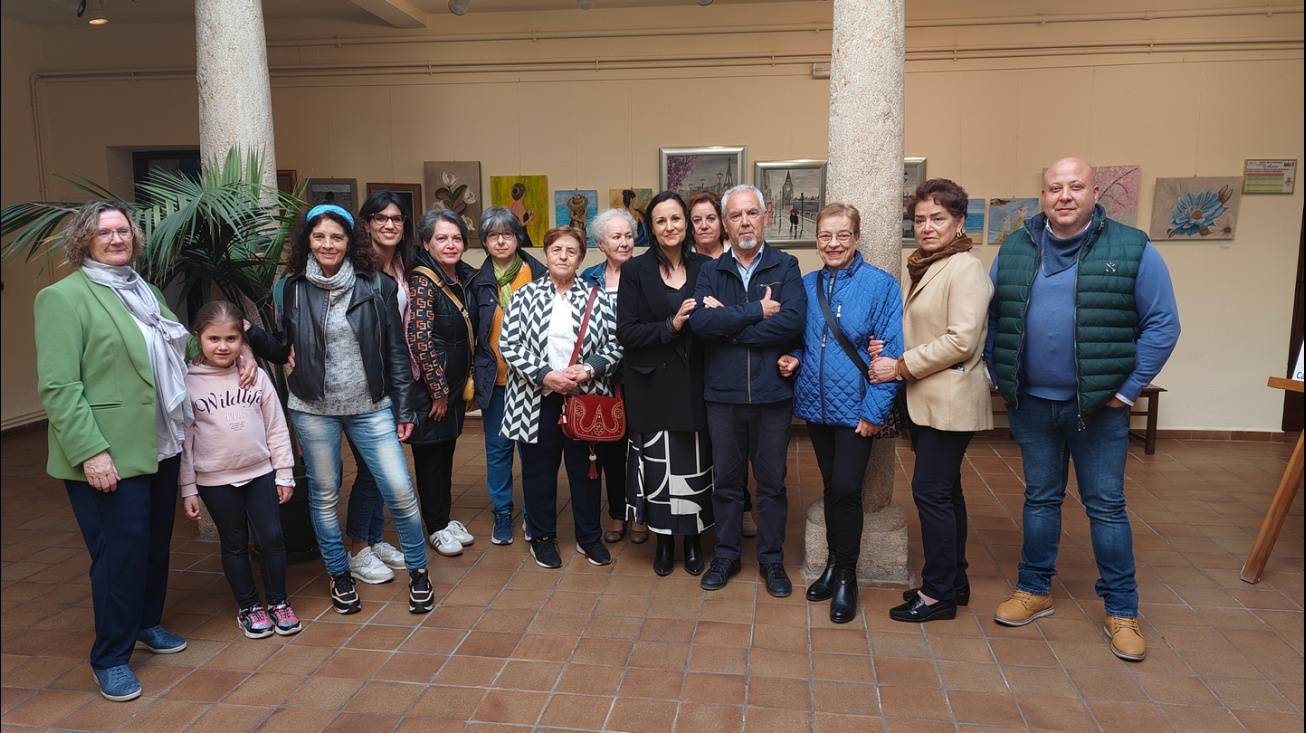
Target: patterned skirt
(669,481)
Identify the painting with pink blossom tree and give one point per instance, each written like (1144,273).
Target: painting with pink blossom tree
(1118,191)
(689,170)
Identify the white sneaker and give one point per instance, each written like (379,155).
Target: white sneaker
(525,532)
(445,544)
(366,567)
(460,533)
(390,555)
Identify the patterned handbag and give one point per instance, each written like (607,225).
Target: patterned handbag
(590,417)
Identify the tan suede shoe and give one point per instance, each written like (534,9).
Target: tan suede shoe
(1022,607)
(1126,640)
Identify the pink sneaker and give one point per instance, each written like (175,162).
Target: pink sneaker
(255,622)
(284,620)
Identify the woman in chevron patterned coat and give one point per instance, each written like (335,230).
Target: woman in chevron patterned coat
(539,335)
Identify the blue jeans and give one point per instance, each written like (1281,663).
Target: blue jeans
(373,434)
(498,455)
(1049,436)
(366,519)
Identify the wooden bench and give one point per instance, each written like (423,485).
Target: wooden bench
(1151,393)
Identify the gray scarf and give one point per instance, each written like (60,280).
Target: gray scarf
(343,280)
(165,341)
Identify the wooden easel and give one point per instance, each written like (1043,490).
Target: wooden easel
(1288,485)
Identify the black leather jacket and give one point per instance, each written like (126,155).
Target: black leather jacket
(374,316)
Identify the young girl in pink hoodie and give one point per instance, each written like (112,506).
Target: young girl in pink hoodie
(237,457)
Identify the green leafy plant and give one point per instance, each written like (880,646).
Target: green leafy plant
(224,231)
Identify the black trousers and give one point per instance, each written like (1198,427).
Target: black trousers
(742,434)
(936,488)
(128,533)
(842,455)
(539,478)
(612,469)
(433,466)
(235,511)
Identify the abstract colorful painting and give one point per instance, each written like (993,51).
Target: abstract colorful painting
(635,201)
(455,185)
(1195,209)
(1008,215)
(528,198)
(576,208)
(975,218)
(1118,191)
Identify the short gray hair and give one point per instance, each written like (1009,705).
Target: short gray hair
(497,217)
(725,198)
(601,221)
(426,227)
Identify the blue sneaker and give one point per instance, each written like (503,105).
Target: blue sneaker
(160,641)
(117,683)
(502,529)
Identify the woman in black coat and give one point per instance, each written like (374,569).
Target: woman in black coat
(670,464)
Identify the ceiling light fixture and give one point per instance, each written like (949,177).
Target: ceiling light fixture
(81,8)
(705,3)
(97,16)
(459,7)
(585,4)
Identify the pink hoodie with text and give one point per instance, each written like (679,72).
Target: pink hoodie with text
(237,435)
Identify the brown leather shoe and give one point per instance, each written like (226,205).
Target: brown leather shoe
(1022,607)
(1126,640)
(638,533)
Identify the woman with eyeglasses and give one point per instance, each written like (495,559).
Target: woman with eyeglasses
(945,323)
(849,302)
(506,269)
(614,231)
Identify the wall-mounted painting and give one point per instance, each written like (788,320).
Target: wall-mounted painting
(411,193)
(975,219)
(576,208)
(528,198)
(1118,191)
(1008,215)
(1195,209)
(456,185)
(687,170)
(794,191)
(342,192)
(913,175)
(634,201)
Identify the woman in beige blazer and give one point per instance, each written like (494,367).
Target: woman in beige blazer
(945,321)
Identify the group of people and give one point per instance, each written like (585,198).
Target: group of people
(715,338)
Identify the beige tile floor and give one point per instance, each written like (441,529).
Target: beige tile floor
(513,647)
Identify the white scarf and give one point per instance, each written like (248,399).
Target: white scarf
(165,341)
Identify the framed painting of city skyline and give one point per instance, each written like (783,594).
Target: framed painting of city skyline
(793,192)
(689,170)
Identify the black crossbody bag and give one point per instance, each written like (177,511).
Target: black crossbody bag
(895,423)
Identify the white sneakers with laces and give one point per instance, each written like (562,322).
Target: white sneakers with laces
(368,568)
(445,543)
(390,555)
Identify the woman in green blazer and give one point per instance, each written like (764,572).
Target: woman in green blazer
(111,376)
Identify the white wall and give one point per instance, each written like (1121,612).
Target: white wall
(992,124)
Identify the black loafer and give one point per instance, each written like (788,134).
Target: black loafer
(718,573)
(915,611)
(960,594)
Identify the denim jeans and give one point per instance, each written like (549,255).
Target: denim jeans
(1050,437)
(498,455)
(373,434)
(366,520)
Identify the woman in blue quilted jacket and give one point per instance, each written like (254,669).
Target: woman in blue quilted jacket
(849,303)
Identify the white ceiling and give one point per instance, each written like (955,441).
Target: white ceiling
(63,12)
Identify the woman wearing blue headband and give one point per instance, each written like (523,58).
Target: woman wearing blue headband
(342,324)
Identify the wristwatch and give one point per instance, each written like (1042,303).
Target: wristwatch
(897,375)
(589,369)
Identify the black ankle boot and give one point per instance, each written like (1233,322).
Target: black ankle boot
(664,557)
(693,554)
(843,604)
(823,587)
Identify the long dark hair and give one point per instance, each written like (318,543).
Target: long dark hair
(361,254)
(686,248)
(375,204)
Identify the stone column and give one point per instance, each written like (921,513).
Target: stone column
(866,170)
(231,67)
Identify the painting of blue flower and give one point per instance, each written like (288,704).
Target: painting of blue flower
(1195,208)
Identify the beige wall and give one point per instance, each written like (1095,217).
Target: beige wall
(542,107)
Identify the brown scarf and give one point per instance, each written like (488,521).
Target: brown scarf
(919,262)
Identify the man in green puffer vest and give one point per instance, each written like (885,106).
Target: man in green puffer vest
(1083,317)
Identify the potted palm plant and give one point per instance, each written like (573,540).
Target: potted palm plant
(222,232)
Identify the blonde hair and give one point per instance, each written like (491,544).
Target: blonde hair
(83,225)
(217,313)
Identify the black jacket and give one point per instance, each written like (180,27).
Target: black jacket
(437,332)
(373,314)
(662,369)
(485,293)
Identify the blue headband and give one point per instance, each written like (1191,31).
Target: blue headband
(323,208)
